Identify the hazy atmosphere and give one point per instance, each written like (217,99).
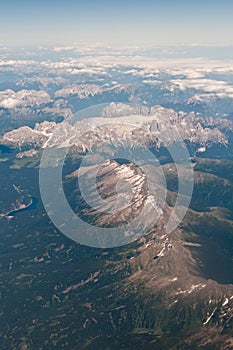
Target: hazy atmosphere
(121,22)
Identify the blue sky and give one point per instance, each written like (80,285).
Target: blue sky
(119,22)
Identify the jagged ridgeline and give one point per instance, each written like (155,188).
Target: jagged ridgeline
(162,291)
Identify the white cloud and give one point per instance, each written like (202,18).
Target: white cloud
(15,63)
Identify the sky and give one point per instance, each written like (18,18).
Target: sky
(116,22)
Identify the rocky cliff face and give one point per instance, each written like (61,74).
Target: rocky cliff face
(122,124)
(165,281)
(163,286)
(123,190)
